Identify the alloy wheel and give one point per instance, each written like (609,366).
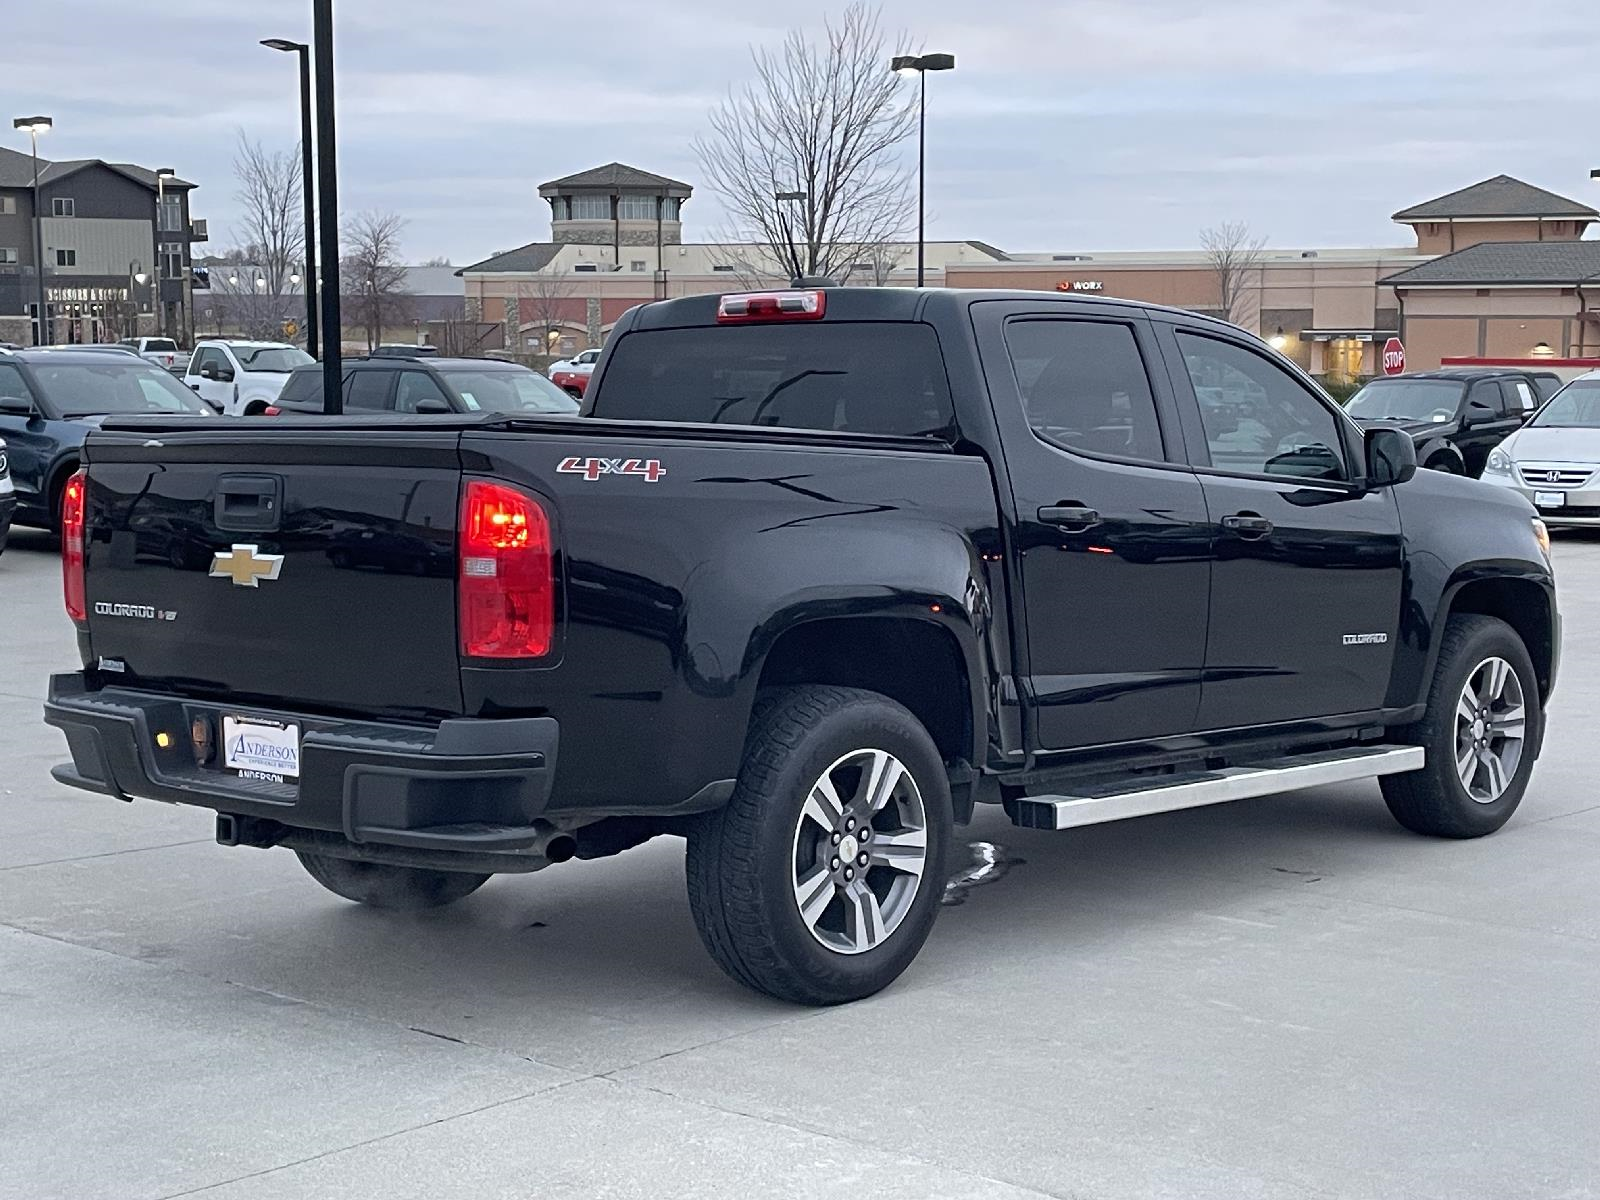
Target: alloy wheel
(860,851)
(1491,728)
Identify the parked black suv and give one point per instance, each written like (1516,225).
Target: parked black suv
(428,385)
(1455,416)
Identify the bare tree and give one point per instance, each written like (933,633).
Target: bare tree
(547,297)
(438,260)
(1235,257)
(271,231)
(822,118)
(374,271)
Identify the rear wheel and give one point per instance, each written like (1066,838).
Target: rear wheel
(1444,463)
(821,879)
(380,885)
(1482,731)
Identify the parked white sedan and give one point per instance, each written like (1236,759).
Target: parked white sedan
(1554,460)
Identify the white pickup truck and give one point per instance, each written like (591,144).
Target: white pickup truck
(242,378)
(162,351)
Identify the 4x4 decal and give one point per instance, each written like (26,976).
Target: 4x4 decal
(592,468)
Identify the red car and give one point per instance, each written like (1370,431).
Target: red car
(572,375)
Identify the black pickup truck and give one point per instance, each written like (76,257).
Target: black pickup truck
(813,574)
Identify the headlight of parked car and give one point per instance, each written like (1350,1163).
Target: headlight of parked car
(1499,463)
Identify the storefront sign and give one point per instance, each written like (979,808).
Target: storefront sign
(1081,285)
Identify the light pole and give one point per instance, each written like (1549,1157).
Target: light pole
(162,175)
(136,275)
(784,199)
(35,126)
(919,65)
(307,192)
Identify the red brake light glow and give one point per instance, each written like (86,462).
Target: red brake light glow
(506,587)
(72,520)
(772,306)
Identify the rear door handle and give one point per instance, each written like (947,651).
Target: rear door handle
(248,503)
(1247,525)
(1071,516)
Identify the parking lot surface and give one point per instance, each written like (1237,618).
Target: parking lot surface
(1280,997)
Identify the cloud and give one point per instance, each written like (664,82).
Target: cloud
(1068,124)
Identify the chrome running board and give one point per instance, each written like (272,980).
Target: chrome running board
(1168,793)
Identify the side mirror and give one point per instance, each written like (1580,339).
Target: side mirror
(223,374)
(16,406)
(432,406)
(1478,413)
(208,371)
(1391,457)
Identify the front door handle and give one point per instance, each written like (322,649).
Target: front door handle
(1070,516)
(1247,525)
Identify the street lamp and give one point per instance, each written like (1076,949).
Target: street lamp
(162,175)
(35,126)
(137,276)
(919,65)
(306,193)
(784,199)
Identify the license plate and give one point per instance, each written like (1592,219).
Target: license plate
(1549,499)
(259,749)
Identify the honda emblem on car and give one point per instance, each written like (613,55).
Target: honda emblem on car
(246,565)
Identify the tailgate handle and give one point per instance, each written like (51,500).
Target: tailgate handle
(248,503)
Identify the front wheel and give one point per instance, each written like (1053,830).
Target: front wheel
(380,885)
(821,878)
(1482,731)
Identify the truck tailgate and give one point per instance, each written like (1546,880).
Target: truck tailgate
(309,566)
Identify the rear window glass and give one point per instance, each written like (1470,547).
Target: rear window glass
(877,377)
(161,345)
(303,385)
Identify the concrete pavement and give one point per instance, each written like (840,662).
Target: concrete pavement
(1282,997)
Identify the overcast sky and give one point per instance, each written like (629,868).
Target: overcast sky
(1067,125)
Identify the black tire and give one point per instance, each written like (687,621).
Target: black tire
(404,889)
(742,859)
(1434,800)
(1445,464)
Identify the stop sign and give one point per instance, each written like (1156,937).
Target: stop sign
(1394,357)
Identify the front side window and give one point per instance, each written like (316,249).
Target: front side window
(1484,399)
(1084,387)
(1259,419)
(11,385)
(508,390)
(414,387)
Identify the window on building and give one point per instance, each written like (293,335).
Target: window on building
(669,208)
(169,215)
(727,267)
(1258,418)
(1085,387)
(64,206)
(66,258)
(591,208)
(637,208)
(172,260)
(637,264)
(8,254)
(8,206)
(584,267)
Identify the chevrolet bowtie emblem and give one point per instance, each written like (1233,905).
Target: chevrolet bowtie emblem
(245,567)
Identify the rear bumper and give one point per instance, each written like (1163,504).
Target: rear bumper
(461,785)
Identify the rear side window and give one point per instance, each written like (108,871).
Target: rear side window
(867,377)
(1084,387)
(1520,399)
(305,385)
(368,389)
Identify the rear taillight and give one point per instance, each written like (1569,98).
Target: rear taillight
(271,410)
(72,585)
(506,587)
(772,306)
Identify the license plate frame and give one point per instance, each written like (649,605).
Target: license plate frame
(1549,499)
(260,748)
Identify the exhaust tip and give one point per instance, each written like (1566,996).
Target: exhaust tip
(561,848)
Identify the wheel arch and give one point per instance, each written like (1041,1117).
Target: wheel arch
(1521,603)
(1442,448)
(922,664)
